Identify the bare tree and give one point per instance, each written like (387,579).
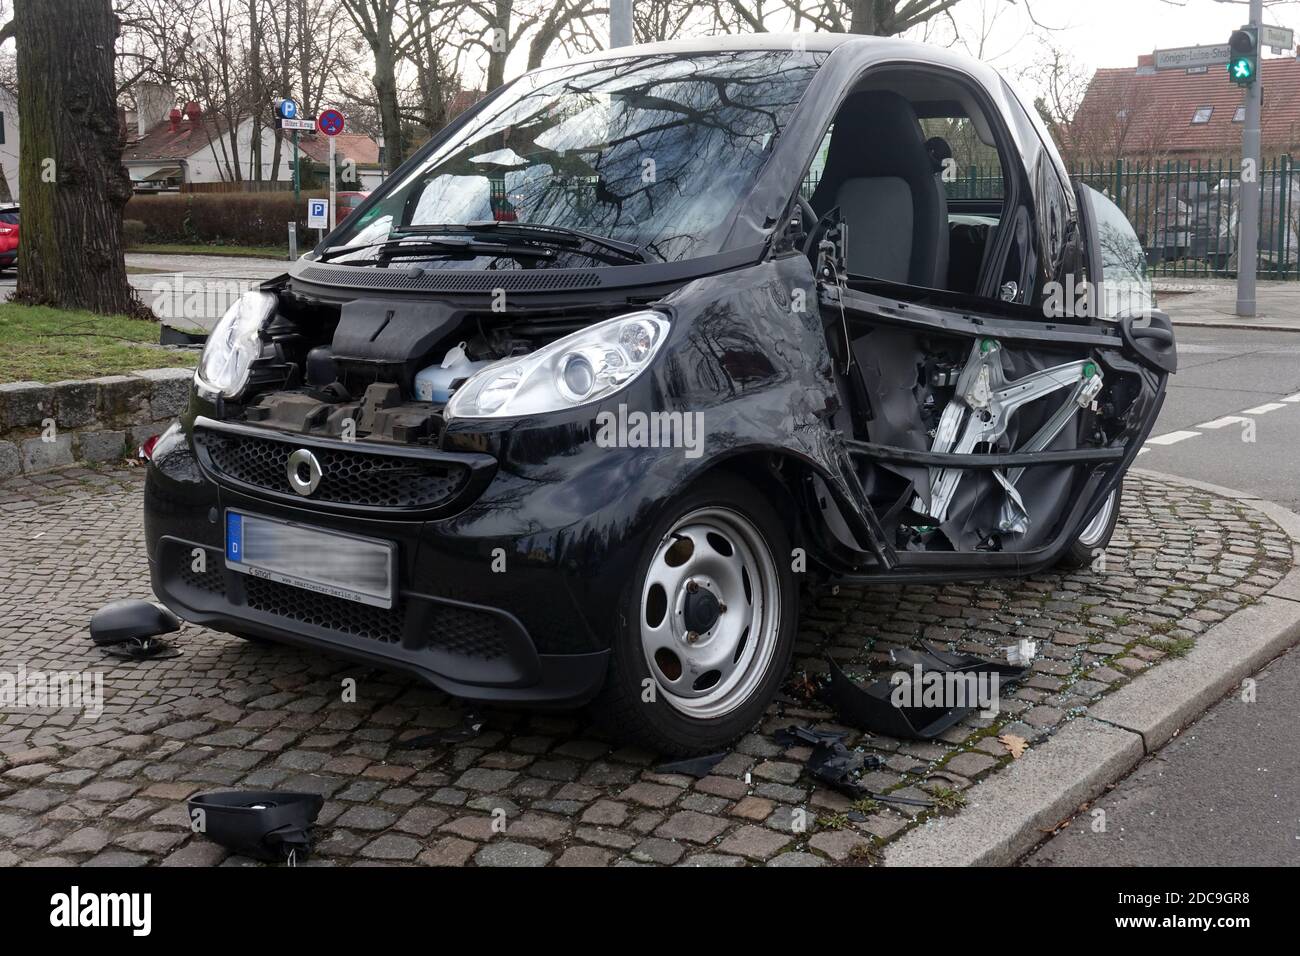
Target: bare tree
(389,38)
(72,179)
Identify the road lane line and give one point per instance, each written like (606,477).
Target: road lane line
(1222,422)
(1172,438)
(1292,398)
(1264,409)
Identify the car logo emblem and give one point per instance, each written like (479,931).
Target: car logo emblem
(303,471)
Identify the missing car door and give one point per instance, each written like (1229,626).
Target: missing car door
(988,438)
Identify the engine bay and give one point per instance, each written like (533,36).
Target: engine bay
(374,370)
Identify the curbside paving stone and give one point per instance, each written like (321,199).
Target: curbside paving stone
(1173,695)
(565,787)
(1005,815)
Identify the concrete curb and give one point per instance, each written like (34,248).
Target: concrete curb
(1239,324)
(1008,813)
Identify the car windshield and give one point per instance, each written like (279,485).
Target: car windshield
(653,152)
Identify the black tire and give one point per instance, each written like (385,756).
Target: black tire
(658,724)
(1094,536)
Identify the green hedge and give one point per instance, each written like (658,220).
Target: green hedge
(247,219)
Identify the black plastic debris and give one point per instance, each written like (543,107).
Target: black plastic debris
(696,767)
(872,707)
(143,649)
(263,824)
(833,763)
(131,619)
(469,728)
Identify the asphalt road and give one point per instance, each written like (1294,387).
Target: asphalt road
(190,292)
(1231,386)
(1226,791)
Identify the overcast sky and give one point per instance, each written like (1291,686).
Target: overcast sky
(1106,32)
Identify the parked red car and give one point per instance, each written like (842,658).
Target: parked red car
(8,237)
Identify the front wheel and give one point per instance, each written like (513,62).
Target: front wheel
(707,624)
(1095,534)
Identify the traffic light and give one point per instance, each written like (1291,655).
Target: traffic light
(1243,60)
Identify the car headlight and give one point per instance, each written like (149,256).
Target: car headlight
(232,346)
(583,367)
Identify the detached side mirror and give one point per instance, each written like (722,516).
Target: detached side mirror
(131,619)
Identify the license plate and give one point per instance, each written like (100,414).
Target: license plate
(329,562)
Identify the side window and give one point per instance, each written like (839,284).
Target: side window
(817,166)
(971,169)
(1118,261)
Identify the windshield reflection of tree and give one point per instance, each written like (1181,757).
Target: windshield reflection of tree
(655,150)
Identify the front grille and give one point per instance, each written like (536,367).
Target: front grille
(464,632)
(325,611)
(211,579)
(348,477)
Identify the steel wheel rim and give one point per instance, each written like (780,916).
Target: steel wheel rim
(1095,528)
(711,555)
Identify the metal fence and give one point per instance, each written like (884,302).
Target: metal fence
(1184,213)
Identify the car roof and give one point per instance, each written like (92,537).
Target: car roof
(867,49)
(817,42)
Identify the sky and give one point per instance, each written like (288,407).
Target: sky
(1105,33)
(1101,33)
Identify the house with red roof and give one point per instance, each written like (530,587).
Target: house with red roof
(173,145)
(1139,113)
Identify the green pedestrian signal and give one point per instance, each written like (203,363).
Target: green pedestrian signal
(1243,62)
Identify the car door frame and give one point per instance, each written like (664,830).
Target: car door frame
(1122,342)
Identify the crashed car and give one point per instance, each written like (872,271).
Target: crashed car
(573,408)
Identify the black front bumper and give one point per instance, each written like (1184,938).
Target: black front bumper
(515,637)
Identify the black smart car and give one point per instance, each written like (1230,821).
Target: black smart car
(573,407)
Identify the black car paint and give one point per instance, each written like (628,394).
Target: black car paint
(572,518)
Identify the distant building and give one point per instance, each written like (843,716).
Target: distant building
(173,146)
(9,148)
(1173,115)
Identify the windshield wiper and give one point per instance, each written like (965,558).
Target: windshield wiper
(397,247)
(563,236)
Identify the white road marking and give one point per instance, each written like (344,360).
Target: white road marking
(1222,422)
(1292,398)
(1172,438)
(1264,409)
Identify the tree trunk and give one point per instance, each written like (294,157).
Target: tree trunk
(257,98)
(390,119)
(70,174)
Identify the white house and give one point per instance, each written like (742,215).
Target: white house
(9,148)
(174,146)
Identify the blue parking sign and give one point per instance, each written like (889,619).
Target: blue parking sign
(318,213)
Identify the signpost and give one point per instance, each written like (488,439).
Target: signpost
(331,123)
(1279,39)
(1240,57)
(286,111)
(1186,57)
(1248,216)
(318,215)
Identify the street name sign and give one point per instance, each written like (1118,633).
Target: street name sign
(1184,57)
(1281,39)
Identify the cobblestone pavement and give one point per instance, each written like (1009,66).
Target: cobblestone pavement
(230,714)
